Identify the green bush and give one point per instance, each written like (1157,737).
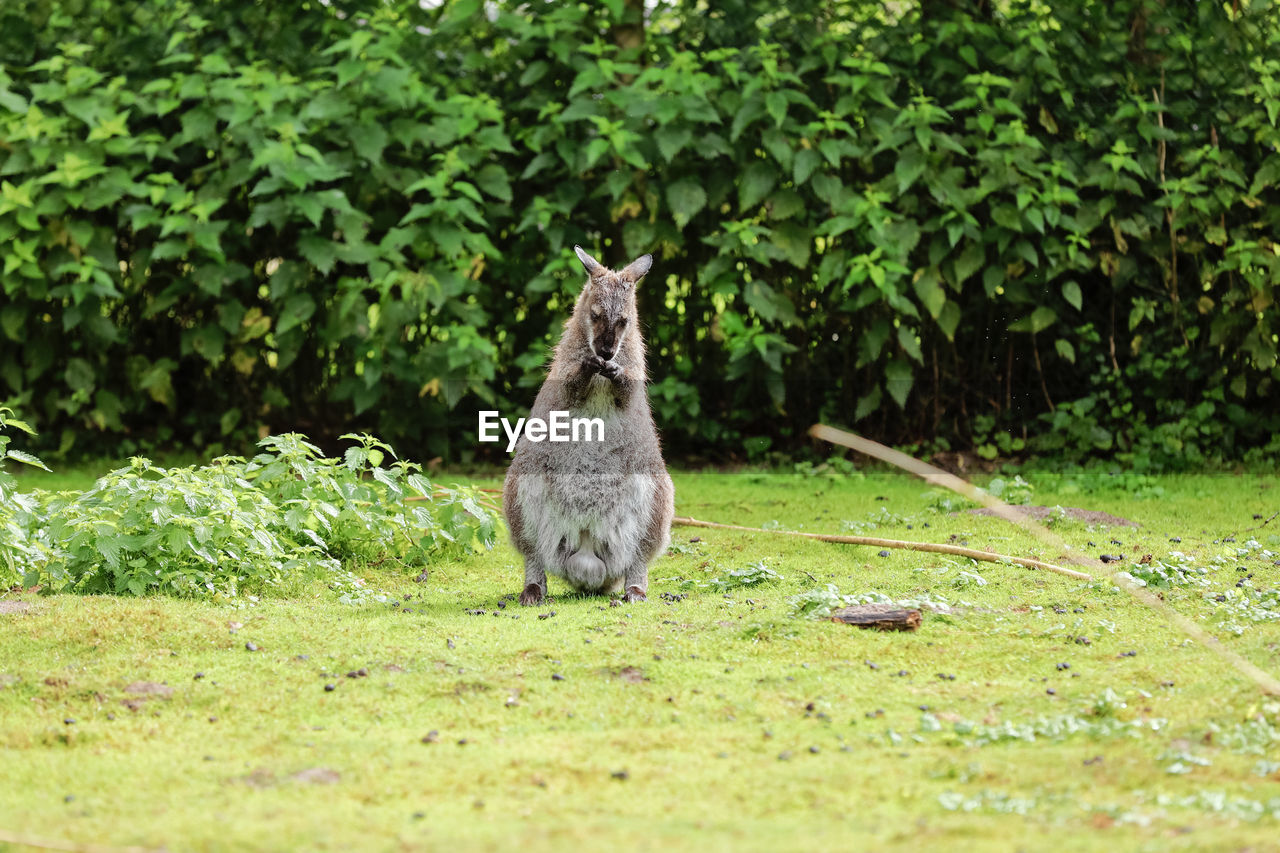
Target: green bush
(222,216)
(19,551)
(286,517)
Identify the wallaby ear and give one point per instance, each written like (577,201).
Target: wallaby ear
(593,266)
(637,268)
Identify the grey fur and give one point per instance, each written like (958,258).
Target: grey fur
(594,513)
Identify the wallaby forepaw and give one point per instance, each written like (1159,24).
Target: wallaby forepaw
(610,370)
(634,595)
(594,363)
(532,595)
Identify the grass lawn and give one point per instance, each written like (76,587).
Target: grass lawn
(1029,711)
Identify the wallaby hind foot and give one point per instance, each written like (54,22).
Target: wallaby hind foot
(532,595)
(635,595)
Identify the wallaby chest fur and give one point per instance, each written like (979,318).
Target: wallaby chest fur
(594,513)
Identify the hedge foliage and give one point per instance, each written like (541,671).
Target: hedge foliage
(1010,225)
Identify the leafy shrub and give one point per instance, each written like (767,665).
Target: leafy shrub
(18,550)
(1007,226)
(234,527)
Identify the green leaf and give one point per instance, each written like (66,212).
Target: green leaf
(349,69)
(79,375)
(1065,349)
(1007,216)
(320,252)
(535,72)
(949,319)
(1071,293)
(928,287)
(796,242)
(368,139)
(969,262)
(909,167)
(775,103)
(898,379)
(805,162)
(758,180)
(297,310)
(868,403)
(686,198)
(12,102)
(910,343)
(1039,320)
(671,141)
(492,179)
(785,204)
(1036,218)
(25,458)
(209,341)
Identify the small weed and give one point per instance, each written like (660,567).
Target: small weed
(753,575)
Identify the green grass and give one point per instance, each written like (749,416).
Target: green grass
(716,721)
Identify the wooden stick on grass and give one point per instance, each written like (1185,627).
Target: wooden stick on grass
(901,544)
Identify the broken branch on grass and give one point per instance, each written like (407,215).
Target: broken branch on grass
(899,544)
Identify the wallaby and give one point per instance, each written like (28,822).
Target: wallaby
(594,513)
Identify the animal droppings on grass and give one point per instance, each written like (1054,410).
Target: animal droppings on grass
(432,736)
(198,676)
(329,688)
(546,615)
(251,647)
(785,755)
(69,721)
(555,676)
(1061,666)
(620,775)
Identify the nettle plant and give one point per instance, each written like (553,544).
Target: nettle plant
(18,549)
(285,518)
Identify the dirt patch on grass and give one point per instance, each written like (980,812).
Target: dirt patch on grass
(148,688)
(317,776)
(1043,513)
(631,674)
(8,606)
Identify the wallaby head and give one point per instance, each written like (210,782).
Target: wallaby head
(606,308)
